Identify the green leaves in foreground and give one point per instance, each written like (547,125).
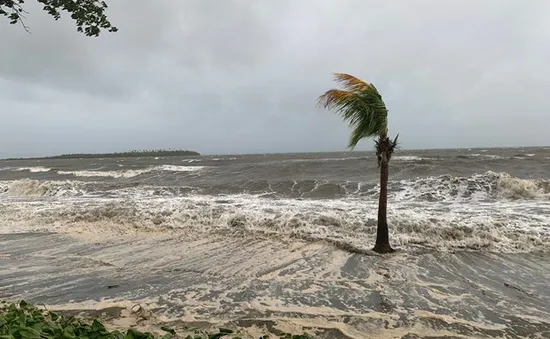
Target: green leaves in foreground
(28,322)
(24,321)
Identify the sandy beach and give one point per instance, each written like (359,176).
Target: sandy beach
(273,285)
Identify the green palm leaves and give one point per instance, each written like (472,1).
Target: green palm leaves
(360,104)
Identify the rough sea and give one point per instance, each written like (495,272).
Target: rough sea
(281,242)
(478,199)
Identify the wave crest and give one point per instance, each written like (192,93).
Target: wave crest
(36,188)
(511,228)
(516,188)
(131,173)
(487,186)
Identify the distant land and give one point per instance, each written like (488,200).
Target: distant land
(129,154)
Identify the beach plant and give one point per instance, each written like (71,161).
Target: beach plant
(24,321)
(89,15)
(362,107)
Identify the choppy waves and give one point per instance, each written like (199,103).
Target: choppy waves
(489,186)
(490,211)
(122,173)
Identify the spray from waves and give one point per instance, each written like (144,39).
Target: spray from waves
(508,227)
(486,186)
(36,188)
(522,188)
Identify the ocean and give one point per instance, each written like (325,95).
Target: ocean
(484,199)
(287,238)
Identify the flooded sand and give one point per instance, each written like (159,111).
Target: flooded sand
(269,284)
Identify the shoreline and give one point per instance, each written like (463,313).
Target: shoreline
(292,285)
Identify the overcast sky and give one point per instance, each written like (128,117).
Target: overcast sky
(240,76)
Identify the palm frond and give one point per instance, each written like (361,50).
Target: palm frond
(351,83)
(360,105)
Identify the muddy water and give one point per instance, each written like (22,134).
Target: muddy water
(264,284)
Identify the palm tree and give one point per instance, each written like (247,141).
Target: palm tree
(360,104)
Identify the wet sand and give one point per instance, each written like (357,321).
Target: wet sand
(282,285)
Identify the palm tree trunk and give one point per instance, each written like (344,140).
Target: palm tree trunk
(384,151)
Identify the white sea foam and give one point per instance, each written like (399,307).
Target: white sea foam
(35,188)
(485,156)
(220,159)
(130,173)
(112,174)
(506,226)
(440,212)
(34,169)
(407,158)
(174,168)
(489,185)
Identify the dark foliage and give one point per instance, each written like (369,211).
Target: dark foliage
(130,154)
(89,15)
(25,321)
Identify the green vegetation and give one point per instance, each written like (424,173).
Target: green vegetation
(25,321)
(360,104)
(89,15)
(130,154)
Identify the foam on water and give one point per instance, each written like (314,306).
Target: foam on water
(482,156)
(34,169)
(36,188)
(130,173)
(174,168)
(270,238)
(264,283)
(489,185)
(407,158)
(111,174)
(454,213)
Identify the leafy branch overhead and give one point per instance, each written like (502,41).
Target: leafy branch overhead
(89,15)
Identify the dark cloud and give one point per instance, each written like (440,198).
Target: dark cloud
(243,76)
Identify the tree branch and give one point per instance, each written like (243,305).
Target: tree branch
(89,15)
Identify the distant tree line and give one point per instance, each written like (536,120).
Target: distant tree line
(135,153)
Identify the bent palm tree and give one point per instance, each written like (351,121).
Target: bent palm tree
(360,104)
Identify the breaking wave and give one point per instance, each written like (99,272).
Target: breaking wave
(490,211)
(489,186)
(36,188)
(34,169)
(111,174)
(348,223)
(123,173)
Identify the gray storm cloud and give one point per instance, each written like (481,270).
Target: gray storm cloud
(243,76)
